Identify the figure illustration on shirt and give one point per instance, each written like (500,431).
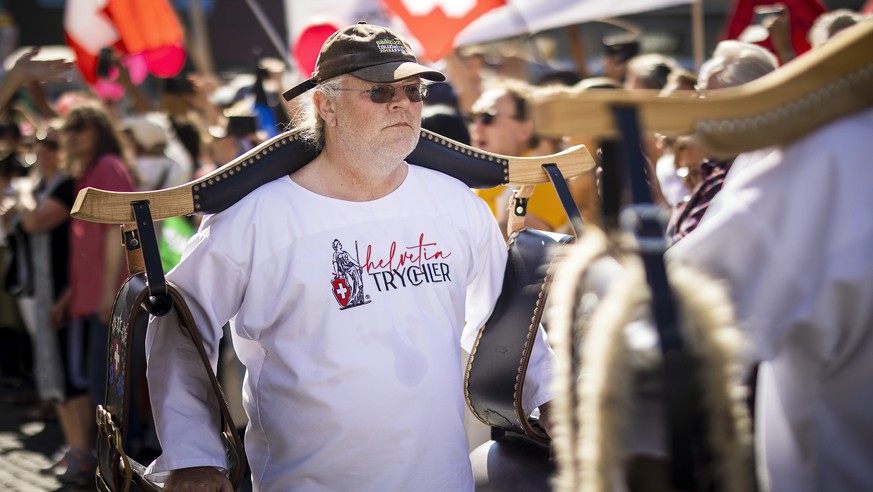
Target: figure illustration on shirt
(348,285)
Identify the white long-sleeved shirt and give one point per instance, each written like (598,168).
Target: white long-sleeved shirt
(792,235)
(339,396)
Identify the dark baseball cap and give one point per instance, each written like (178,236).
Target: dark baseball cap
(372,53)
(623,46)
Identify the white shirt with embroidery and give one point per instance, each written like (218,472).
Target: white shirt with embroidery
(349,317)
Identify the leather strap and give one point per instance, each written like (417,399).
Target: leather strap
(689,456)
(116,470)
(158,302)
(563,191)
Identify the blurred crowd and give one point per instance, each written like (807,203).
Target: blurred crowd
(61,275)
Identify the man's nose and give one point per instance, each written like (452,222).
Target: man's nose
(400,98)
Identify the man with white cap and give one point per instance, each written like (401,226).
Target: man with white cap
(343,392)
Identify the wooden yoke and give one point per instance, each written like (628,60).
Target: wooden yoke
(286,153)
(816,88)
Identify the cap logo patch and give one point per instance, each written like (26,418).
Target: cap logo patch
(390,46)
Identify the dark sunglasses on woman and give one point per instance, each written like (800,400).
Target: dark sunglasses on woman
(49,143)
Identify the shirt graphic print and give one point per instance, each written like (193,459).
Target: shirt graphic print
(389,267)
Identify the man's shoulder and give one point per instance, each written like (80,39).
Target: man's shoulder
(437,178)
(260,203)
(273,192)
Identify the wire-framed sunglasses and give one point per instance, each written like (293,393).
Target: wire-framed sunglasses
(383,93)
(487,118)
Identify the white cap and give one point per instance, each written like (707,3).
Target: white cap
(149,130)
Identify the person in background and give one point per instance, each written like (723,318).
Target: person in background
(149,136)
(237,135)
(649,71)
(97,156)
(673,187)
(500,122)
(829,24)
(790,238)
(58,360)
(732,64)
(441,113)
(618,49)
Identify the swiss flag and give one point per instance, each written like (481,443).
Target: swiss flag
(435,23)
(144,31)
(803,13)
(87,30)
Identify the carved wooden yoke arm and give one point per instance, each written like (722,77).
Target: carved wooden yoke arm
(812,90)
(286,153)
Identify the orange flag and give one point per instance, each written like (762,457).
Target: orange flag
(144,32)
(149,28)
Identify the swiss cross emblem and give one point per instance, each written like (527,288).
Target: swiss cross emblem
(436,22)
(341,291)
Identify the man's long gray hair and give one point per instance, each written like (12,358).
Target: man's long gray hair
(308,120)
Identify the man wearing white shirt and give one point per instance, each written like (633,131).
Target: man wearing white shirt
(352,378)
(791,235)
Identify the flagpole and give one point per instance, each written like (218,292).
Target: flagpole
(268,28)
(201,49)
(697,30)
(577,50)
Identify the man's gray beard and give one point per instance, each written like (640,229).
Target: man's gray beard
(387,154)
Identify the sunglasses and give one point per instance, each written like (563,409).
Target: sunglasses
(74,127)
(486,118)
(381,93)
(49,143)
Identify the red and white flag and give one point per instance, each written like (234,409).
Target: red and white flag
(801,12)
(310,23)
(436,23)
(144,32)
(436,26)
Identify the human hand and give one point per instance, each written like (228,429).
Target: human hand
(59,311)
(26,69)
(202,85)
(545,421)
(198,479)
(123,77)
(56,316)
(779,27)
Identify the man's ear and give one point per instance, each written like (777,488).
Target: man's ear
(326,107)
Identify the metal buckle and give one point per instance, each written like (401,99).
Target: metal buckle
(107,427)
